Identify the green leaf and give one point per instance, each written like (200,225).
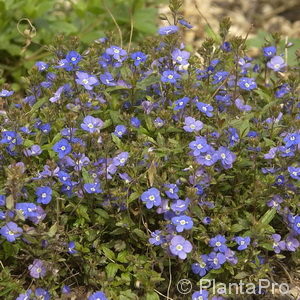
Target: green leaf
(151,79)
(152,296)
(241,275)
(268,216)
(111,270)
(132,197)
(108,253)
(52,231)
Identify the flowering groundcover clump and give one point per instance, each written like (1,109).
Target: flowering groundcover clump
(123,172)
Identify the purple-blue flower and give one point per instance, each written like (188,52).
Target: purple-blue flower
(73,57)
(172,191)
(201,268)
(120,130)
(219,243)
(276,63)
(34,150)
(292,139)
(42,66)
(179,246)
(93,188)
(292,244)
(199,145)
(181,103)
(216,260)
(182,223)
(88,81)
(200,295)
(116,52)
(208,158)
(226,157)
(296,224)
(294,172)
(71,247)
(219,76)
(239,103)
(269,51)
(62,147)
(166,30)
(151,197)
(185,23)
(6,93)
(37,269)
(121,159)
(97,296)
(192,125)
(107,79)
(180,57)
(170,76)
(247,84)
(138,57)
(91,124)
(11,231)
(44,194)
(205,108)
(156,238)
(42,294)
(26,209)
(243,242)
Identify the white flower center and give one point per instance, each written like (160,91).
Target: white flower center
(117,51)
(208,157)
(151,198)
(44,195)
(199,146)
(90,125)
(170,76)
(182,222)
(63,148)
(179,58)
(179,247)
(223,155)
(85,81)
(218,244)
(73,58)
(192,126)
(247,84)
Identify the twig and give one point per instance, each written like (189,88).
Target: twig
(131,31)
(114,20)
(159,293)
(204,18)
(170,279)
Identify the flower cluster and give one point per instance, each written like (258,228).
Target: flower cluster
(116,158)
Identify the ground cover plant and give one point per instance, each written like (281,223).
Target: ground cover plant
(125,170)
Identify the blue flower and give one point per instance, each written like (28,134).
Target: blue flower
(42,294)
(91,124)
(25,296)
(92,188)
(44,194)
(243,242)
(151,197)
(168,30)
(42,66)
(179,246)
(216,260)
(239,103)
(11,137)
(296,224)
(2,200)
(71,248)
(88,81)
(121,159)
(269,51)
(135,122)
(11,231)
(226,157)
(182,223)
(107,79)
(208,158)
(62,147)
(219,243)
(64,64)
(247,84)
(116,52)
(202,267)
(192,125)
(205,108)
(220,76)
(181,57)
(156,238)
(200,295)
(294,172)
(172,191)
(185,23)
(97,296)
(6,93)
(73,57)
(170,76)
(199,145)
(276,63)
(138,57)
(26,209)
(181,103)
(120,130)
(292,139)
